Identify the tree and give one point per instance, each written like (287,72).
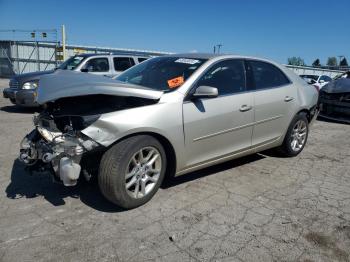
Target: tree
(296,61)
(316,63)
(343,62)
(332,61)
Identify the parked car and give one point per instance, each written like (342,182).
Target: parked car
(316,80)
(167,116)
(22,87)
(335,99)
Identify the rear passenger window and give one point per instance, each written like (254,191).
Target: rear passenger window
(123,63)
(266,75)
(227,76)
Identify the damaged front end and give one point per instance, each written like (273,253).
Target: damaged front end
(72,102)
(57,143)
(48,148)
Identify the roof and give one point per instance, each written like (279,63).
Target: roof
(101,54)
(212,56)
(197,55)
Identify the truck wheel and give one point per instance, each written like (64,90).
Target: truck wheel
(296,136)
(131,171)
(13,101)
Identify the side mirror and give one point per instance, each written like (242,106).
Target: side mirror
(205,92)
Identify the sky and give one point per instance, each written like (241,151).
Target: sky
(274,29)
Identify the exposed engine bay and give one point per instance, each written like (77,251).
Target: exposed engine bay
(56,143)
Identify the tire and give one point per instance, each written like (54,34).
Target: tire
(287,149)
(13,101)
(117,165)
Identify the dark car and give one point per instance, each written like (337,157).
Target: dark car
(335,99)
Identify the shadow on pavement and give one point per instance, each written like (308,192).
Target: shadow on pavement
(21,110)
(333,120)
(170,182)
(30,186)
(40,184)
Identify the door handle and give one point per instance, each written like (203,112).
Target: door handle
(288,98)
(245,108)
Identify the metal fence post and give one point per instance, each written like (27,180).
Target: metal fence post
(37,56)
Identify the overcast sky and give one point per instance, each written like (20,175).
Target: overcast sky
(275,29)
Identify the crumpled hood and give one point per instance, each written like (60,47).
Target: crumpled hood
(341,85)
(64,83)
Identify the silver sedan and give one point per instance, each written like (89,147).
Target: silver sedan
(167,116)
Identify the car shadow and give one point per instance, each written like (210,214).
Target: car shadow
(40,184)
(25,185)
(334,121)
(21,110)
(174,181)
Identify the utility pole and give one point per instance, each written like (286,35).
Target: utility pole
(64,42)
(217,48)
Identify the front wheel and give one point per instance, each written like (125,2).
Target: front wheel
(296,136)
(132,171)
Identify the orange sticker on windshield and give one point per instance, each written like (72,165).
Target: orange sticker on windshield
(176,82)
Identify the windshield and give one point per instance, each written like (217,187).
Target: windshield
(162,73)
(71,63)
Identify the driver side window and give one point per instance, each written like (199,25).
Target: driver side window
(97,65)
(227,76)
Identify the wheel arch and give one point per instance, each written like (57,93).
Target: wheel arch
(168,148)
(307,112)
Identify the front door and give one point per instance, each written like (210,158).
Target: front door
(217,127)
(98,66)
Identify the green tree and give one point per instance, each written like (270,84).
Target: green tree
(296,61)
(316,63)
(343,62)
(332,61)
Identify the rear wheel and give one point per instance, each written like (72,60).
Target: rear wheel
(13,101)
(296,136)
(132,171)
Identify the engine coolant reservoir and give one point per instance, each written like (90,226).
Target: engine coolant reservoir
(69,171)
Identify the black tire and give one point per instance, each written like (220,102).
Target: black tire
(286,148)
(13,101)
(114,163)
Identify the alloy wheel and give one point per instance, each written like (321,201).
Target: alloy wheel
(298,136)
(143,172)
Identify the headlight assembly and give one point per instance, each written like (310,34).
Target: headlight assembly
(30,85)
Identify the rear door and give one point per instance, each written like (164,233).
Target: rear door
(122,63)
(274,101)
(216,127)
